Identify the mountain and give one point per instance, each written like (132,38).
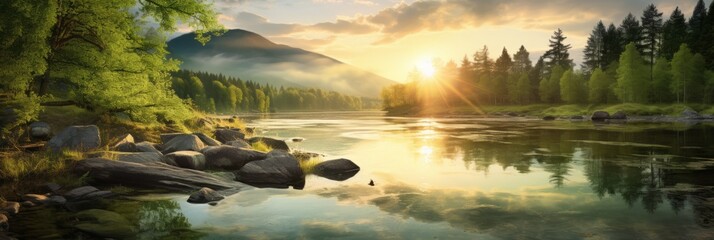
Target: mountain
(249,56)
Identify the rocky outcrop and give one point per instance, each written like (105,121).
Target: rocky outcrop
(76,138)
(271,142)
(146,147)
(140,157)
(158,175)
(207,140)
(125,144)
(40,131)
(689,113)
(187,159)
(600,116)
(230,158)
(227,135)
(183,142)
(205,195)
(338,169)
(166,137)
(277,172)
(239,143)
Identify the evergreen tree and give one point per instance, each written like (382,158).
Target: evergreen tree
(696,35)
(599,87)
(500,86)
(674,34)
(662,80)
(523,89)
(558,54)
(651,33)
(612,44)
(594,52)
(709,34)
(632,81)
(631,32)
(521,61)
(534,77)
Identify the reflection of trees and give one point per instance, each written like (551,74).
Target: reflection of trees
(159,219)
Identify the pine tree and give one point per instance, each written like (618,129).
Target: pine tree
(662,80)
(558,54)
(594,52)
(632,81)
(521,61)
(709,34)
(697,28)
(500,87)
(651,33)
(674,34)
(534,77)
(631,32)
(612,45)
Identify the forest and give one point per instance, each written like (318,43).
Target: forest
(224,94)
(647,60)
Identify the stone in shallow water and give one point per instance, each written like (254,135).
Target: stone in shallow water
(270,142)
(205,195)
(277,172)
(188,159)
(229,157)
(338,169)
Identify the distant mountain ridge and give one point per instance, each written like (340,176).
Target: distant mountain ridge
(250,56)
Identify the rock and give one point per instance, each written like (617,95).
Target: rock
(11,208)
(304,156)
(126,138)
(125,147)
(278,153)
(689,113)
(229,157)
(270,142)
(185,142)
(166,137)
(140,157)
(239,143)
(28,204)
(227,135)
(188,159)
(278,172)
(146,147)
(40,130)
(600,116)
(157,175)
(76,138)
(576,117)
(4,223)
(205,195)
(56,200)
(104,224)
(35,198)
(549,118)
(249,130)
(207,140)
(338,169)
(80,192)
(98,194)
(297,139)
(53,187)
(619,115)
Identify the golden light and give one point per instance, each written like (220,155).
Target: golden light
(426,68)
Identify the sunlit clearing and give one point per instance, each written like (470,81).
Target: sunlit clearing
(426,68)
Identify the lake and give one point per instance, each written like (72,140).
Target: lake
(467,178)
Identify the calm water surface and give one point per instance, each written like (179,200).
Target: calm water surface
(471,178)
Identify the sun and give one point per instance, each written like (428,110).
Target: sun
(426,68)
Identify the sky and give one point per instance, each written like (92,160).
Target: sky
(391,37)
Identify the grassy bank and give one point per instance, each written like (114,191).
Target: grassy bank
(539,110)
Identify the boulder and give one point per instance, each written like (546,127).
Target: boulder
(76,138)
(187,159)
(600,116)
(277,172)
(98,194)
(689,113)
(80,192)
(53,187)
(140,157)
(207,140)
(278,153)
(104,224)
(126,138)
(619,115)
(166,137)
(146,147)
(338,169)
(56,200)
(270,142)
(205,195)
(239,143)
(227,135)
(549,118)
(184,142)
(4,223)
(125,147)
(11,208)
(40,130)
(157,175)
(229,157)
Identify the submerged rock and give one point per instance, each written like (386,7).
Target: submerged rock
(600,116)
(227,135)
(76,138)
(205,195)
(187,159)
(157,175)
(278,172)
(338,169)
(271,142)
(229,157)
(105,224)
(184,142)
(40,130)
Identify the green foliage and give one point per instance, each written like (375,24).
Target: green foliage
(261,146)
(632,77)
(18,166)
(599,87)
(550,87)
(688,75)
(674,34)
(572,87)
(308,166)
(662,78)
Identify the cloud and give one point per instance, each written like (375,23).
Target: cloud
(252,21)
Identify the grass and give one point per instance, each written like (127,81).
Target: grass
(308,166)
(25,171)
(261,146)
